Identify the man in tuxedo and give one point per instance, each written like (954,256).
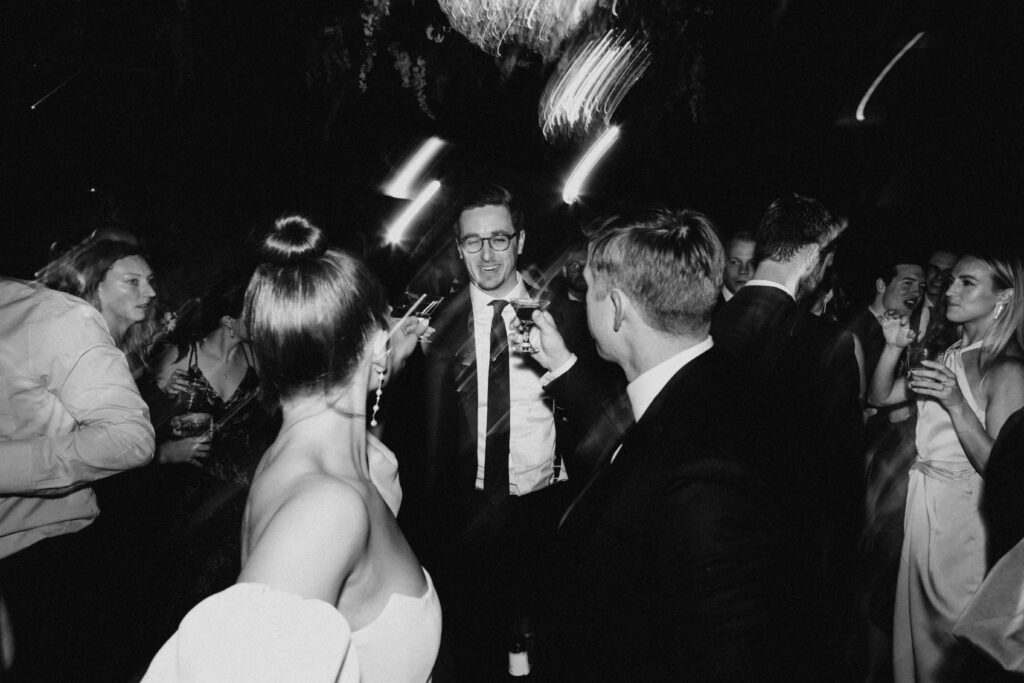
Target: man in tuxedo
(492,490)
(670,541)
(802,425)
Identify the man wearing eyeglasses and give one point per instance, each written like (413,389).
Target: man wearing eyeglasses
(492,490)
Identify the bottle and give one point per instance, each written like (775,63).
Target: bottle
(519,647)
(518,655)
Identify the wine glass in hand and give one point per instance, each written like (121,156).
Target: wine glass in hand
(524,309)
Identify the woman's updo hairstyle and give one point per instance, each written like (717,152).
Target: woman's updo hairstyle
(310,310)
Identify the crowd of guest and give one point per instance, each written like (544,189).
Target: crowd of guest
(663,453)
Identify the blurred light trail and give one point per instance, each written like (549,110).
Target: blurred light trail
(885,72)
(590,82)
(47,95)
(587,163)
(538,25)
(394,233)
(401,185)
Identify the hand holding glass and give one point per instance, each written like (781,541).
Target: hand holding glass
(524,309)
(916,353)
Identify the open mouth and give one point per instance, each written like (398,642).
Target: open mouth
(910,302)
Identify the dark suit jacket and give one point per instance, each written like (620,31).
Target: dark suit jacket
(801,427)
(434,431)
(671,544)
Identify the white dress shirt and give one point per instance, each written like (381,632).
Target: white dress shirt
(531,422)
(69,413)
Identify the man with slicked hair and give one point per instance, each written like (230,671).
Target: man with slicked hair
(670,542)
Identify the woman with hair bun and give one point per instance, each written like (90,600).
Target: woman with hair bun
(316,528)
(963,402)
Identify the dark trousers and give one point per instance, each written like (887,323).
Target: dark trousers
(499,564)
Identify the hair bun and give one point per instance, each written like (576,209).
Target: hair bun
(293,239)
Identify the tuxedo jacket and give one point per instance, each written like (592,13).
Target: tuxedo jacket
(799,418)
(671,546)
(800,391)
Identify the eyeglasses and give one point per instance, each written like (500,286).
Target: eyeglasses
(499,242)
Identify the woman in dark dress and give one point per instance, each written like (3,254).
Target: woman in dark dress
(207,368)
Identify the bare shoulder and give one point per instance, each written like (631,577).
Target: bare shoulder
(327,507)
(1005,376)
(310,539)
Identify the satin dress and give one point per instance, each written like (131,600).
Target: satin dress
(942,561)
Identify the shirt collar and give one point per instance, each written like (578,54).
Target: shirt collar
(770,283)
(481,300)
(726,294)
(643,390)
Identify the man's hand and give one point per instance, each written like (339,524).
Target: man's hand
(550,352)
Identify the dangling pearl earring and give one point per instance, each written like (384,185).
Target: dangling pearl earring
(231,330)
(998,311)
(376,404)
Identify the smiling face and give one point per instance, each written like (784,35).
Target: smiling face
(904,290)
(492,271)
(739,264)
(126,292)
(972,296)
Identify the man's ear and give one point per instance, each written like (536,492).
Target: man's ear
(522,241)
(618,307)
(879,285)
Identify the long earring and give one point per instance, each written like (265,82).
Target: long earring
(999,310)
(231,330)
(376,404)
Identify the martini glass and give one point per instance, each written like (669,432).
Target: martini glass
(524,309)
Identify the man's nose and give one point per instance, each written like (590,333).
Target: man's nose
(486,251)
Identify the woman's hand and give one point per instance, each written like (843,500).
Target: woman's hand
(176,383)
(189,449)
(404,336)
(936,380)
(897,329)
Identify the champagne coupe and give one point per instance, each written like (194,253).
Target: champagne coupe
(524,309)
(422,306)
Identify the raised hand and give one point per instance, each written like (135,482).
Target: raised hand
(897,329)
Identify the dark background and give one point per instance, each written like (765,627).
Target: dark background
(193,122)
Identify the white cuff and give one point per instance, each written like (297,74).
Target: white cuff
(549,377)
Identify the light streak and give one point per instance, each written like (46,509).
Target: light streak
(63,83)
(401,185)
(394,233)
(538,25)
(590,83)
(587,163)
(885,72)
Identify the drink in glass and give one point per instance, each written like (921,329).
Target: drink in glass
(915,354)
(524,309)
(192,424)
